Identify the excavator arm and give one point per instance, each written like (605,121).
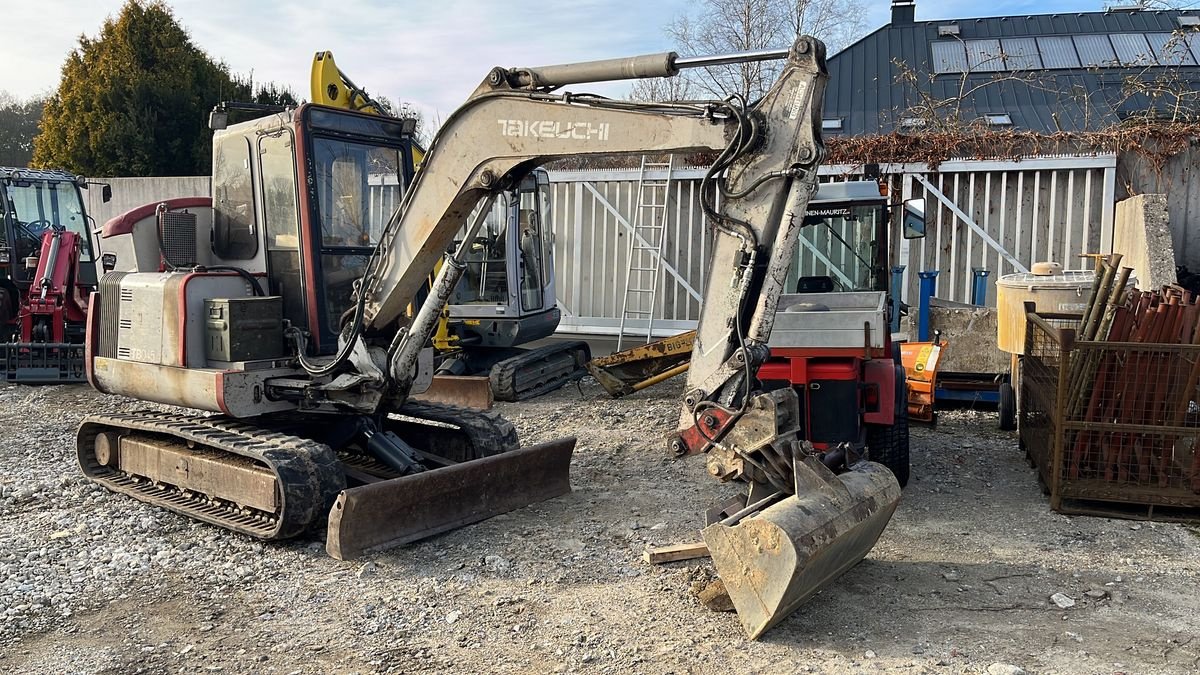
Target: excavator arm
(767,154)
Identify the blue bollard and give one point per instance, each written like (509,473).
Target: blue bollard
(979,287)
(897,282)
(928,288)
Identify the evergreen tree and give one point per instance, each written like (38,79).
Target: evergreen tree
(134,101)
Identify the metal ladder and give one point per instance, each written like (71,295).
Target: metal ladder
(645,248)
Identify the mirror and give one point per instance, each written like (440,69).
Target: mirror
(914,218)
(106,193)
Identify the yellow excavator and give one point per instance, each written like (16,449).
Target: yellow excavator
(507,296)
(284,321)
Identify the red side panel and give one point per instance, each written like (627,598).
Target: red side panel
(91,337)
(881,373)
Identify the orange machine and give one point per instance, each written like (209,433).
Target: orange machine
(920,361)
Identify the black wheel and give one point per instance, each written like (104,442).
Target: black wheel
(888,445)
(1008,407)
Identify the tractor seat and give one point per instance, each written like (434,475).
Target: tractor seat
(822,284)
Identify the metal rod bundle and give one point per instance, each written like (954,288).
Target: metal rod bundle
(1132,379)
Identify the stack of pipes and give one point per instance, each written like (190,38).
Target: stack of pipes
(1142,377)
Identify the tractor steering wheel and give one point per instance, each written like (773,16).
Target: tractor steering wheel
(35,228)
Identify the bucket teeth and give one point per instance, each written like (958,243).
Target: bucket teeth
(774,561)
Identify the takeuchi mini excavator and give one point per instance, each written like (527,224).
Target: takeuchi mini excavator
(301,340)
(506,297)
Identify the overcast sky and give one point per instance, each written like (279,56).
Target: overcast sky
(431,52)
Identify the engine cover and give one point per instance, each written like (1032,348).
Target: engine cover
(159,317)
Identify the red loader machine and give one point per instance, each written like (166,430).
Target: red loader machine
(47,271)
(832,341)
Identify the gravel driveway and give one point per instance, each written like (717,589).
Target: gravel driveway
(960,583)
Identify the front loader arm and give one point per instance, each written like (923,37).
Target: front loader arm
(767,153)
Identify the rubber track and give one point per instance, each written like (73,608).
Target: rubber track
(308,474)
(503,377)
(487,431)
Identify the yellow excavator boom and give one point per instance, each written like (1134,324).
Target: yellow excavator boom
(331,87)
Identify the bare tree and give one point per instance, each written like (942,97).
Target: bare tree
(722,26)
(677,88)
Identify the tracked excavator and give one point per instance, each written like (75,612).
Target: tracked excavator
(301,343)
(506,297)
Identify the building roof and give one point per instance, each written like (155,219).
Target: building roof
(1045,73)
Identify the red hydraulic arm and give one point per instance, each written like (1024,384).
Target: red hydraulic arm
(54,298)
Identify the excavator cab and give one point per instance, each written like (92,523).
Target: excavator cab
(31,202)
(507,261)
(506,298)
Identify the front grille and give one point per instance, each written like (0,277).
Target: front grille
(111,296)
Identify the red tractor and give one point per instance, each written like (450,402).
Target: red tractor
(832,338)
(47,269)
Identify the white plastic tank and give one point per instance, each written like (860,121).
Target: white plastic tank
(1049,287)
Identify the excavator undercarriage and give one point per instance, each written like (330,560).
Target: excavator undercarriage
(279,476)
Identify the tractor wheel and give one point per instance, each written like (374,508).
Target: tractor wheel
(1008,407)
(888,445)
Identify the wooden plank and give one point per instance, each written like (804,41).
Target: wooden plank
(657,555)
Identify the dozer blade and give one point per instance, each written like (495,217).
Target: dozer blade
(774,561)
(468,392)
(394,512)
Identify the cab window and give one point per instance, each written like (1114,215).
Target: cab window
(235,236)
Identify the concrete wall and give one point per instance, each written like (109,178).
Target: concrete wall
(1142,234)
(130,193)
(970,336)
(1178,179)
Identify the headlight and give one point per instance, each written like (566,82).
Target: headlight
(5,256)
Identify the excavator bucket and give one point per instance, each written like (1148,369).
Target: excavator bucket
(771,563)
(625,372)
(398,511)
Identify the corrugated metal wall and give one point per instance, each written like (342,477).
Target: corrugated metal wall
(592,214)
(1044,209)
(1050,208)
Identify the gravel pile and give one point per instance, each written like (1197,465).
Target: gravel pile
(972,576)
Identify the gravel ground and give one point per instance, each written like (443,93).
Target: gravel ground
(961,582)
